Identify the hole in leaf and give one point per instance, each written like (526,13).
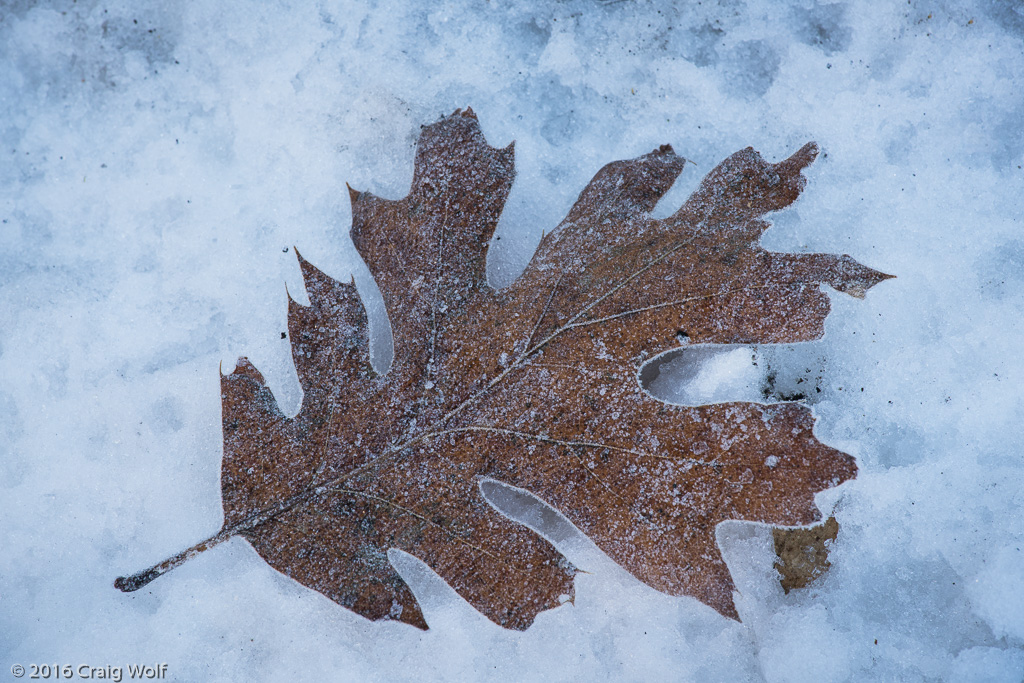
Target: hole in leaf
(527,509)
(711,373)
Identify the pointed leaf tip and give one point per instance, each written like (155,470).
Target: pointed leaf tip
(854,278)
(243,368)
(630,187)
(730,610)
(318,284)
(797,162)
(664,150)
(808,151)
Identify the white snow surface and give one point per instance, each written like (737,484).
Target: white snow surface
(160,160)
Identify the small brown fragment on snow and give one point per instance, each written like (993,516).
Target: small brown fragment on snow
(801,554)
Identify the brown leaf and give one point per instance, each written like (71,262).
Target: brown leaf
(535,386)
(801,555)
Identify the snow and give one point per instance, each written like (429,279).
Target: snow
(162,159)
(705,374)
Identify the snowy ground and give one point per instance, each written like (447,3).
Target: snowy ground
(159,160)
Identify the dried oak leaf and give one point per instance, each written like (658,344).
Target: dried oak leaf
(534,386)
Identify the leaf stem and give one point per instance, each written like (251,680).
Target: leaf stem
(136,581)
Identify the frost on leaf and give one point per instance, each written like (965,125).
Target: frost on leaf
(535,386)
